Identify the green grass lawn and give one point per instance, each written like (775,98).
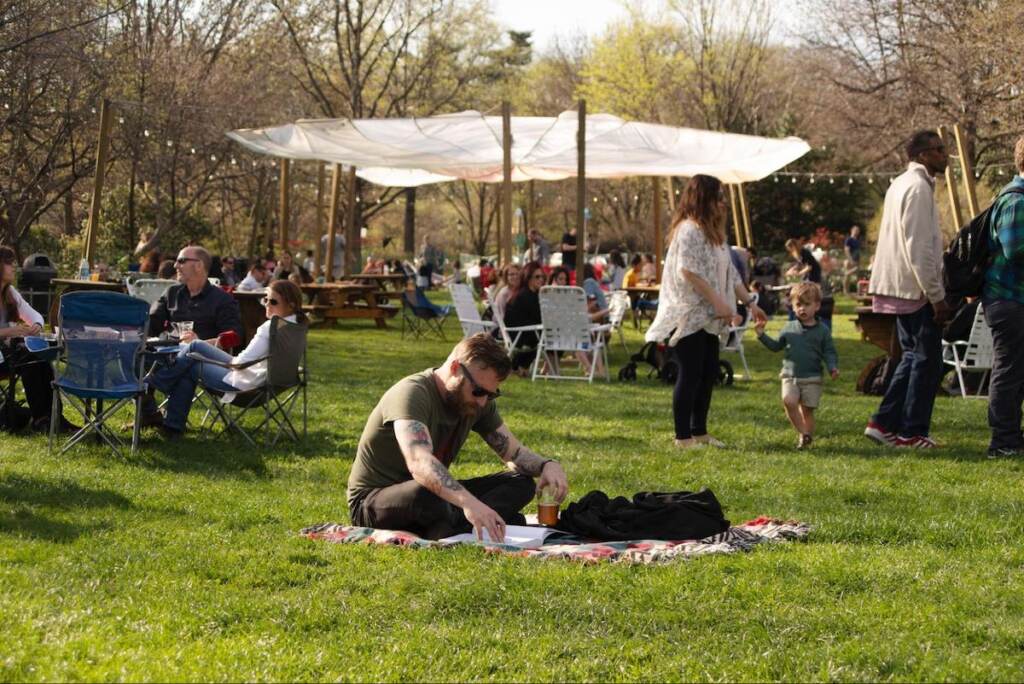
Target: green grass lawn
(184,562)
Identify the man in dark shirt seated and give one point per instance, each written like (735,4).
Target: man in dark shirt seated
(211,310)
(400,479)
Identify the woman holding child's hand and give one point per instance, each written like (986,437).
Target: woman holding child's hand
(697,302)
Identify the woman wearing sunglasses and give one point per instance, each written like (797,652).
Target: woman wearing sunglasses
(283,299)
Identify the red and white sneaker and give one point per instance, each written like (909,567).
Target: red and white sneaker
(918,442)
(877,433)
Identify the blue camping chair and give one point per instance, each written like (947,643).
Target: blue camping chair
(98,362)
(421,316)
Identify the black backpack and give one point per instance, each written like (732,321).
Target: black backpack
(967,257)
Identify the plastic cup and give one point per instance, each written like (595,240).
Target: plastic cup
(182,327)
(547,514)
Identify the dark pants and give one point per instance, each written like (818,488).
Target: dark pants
(697,355)
(906,408)
(36,378)
(412,507)
(1006,387)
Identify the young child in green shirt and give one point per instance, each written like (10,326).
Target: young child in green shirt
(808,345)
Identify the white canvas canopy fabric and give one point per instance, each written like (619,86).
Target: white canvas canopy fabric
(467,145)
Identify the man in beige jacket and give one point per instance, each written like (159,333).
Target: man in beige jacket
(906,280)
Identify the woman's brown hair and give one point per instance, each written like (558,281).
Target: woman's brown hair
(702,203)
(7,256)
(292,296)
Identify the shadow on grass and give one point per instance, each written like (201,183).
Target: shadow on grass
(21,494)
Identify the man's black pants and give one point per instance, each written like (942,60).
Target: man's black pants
(412,507)
(1006,387)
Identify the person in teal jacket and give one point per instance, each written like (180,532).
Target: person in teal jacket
(808,345)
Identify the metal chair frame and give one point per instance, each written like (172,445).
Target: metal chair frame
(973,354)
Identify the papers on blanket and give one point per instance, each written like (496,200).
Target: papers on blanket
(520,536)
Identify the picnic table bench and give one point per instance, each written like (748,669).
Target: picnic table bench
(345,299)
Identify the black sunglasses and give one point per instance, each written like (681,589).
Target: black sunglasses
(183,260)
(479,391)
(269,300)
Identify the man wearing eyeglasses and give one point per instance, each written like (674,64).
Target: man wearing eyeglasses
(400,479)
(211,310)
(906,280)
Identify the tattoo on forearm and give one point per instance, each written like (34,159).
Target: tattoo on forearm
(444,478)
(498,441)
(527,462)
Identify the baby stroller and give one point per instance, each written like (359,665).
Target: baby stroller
(663,365)
(658,357)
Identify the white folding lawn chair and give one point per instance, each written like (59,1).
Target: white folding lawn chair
(469,314)
(731,340)
(618,305)
(149,289)
(973,354)
(510,335)
(566,327)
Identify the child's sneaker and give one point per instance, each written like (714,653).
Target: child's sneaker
(918,442)
(877,433)
(804,442)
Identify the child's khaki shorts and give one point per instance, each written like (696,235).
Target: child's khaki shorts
(806,390)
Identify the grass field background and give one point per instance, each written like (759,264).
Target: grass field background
(184,562)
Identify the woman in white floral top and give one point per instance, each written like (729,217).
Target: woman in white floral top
(698,298)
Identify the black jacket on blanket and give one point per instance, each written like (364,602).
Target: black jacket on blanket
(673,516)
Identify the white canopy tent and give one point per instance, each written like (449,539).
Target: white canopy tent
(475,147)
(468,146)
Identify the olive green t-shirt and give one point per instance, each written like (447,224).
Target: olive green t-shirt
(379,461)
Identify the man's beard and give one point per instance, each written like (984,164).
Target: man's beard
(453,400)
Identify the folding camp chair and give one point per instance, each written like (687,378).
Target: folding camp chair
(566,327)
(468,313)
(285,383)
(618,305)
(98,362)
(972,355)
(511,336)
(731,341)
(149,290)
(421,315)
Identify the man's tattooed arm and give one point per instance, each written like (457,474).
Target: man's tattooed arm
(516,456)
(417,448)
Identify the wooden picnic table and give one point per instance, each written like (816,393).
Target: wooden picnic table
(347,299)
(384,281)
(61,285)
(251,311)
(879,329)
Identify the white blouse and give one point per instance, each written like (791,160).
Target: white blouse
(255,375)
(25,311)
(681,310)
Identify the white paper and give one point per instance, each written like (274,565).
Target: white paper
(520,536)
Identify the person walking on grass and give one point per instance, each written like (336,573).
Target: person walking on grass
(697,302)
(1003,302)
(907,281)
(400,479)
(808,345)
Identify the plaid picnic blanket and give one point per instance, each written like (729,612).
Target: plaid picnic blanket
(642,551)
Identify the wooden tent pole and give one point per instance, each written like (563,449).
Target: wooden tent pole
(734,208)
(671,196)
(954,197)
(317,246)
(351,229)
(505,243)
(656,188)
(745,211)
(284,208)
(581,190)
(968,170)
(103,147)
(332,222)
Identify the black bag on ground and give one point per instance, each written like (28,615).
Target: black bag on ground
(967,257)
(650,515)
(877,375)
